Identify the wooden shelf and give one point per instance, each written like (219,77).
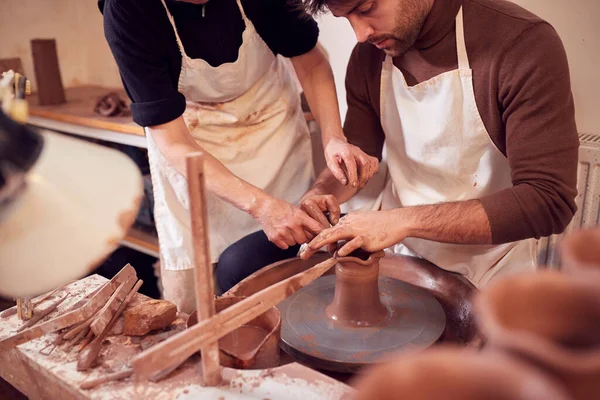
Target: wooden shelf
(79,110)
(142,241)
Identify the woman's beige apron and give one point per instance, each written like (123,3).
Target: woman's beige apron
(247,114)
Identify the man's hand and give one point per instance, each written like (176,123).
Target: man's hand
(284,224)
(349,164)
(371,231)
(316,206)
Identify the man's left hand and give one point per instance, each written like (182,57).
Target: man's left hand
(349,164)
(372,231)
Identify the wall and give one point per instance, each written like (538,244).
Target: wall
(86,59)
(577,22)
(76,25)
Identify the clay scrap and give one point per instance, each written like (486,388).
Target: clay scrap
(149,316)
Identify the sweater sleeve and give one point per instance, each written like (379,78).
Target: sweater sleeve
(362,125)
(284,25)
(542,142)
(137,38)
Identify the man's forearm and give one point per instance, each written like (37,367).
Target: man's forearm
(316,77)
(463,222)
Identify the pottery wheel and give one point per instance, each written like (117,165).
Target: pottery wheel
(416,320)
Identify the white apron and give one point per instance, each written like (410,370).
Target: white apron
(438,150)
(248,115)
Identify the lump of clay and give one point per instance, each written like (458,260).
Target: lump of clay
(149,316)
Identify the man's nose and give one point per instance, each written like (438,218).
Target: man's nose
(362,29)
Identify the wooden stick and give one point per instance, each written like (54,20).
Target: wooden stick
(178,348)
(105,314)
(87,340)
(205,303)
(117,376)
(88,356)
(41,314)
(79,328)
(70,318)
(76,306)
(71,343)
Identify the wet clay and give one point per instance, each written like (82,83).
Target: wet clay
(454,373)
(549,320)
(254,345)
(244,342)
(548,304)
(356,301)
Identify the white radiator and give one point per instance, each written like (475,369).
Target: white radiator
(588,199)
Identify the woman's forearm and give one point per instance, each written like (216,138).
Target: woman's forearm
(175,143)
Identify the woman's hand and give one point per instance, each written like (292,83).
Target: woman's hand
(284,224)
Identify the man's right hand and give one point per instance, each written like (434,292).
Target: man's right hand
(284,224)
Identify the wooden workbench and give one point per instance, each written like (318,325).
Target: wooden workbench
(41,374)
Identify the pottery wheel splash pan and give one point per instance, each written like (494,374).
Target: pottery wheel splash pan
(416,320)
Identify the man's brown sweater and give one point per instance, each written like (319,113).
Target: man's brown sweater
(523,93)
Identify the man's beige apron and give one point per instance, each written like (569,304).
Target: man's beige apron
(438,150)
(247,114)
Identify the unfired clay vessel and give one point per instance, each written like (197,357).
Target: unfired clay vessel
(552,321)
(580,252)
(256,353)
(453,373)
(356,301)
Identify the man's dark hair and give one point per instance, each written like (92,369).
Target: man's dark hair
(314,7)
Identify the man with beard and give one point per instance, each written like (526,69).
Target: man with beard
(472,99)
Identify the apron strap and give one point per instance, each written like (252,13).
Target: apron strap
(461,47)
(172,21)
(246,20)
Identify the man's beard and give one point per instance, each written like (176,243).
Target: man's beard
(407,30)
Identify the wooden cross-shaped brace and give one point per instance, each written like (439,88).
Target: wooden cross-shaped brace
(203,274)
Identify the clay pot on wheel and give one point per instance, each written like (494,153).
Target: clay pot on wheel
(453,373)
(550,320)
(580,252)
(260,338)
(356,301)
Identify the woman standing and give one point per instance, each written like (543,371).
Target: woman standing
(209,76)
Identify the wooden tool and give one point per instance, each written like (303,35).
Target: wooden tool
(72,317)
(175,350)
(24,309)
(86,340)
(205,305)
(75,331)
(117,376)
(106,313)
(88,356)
(41,314)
